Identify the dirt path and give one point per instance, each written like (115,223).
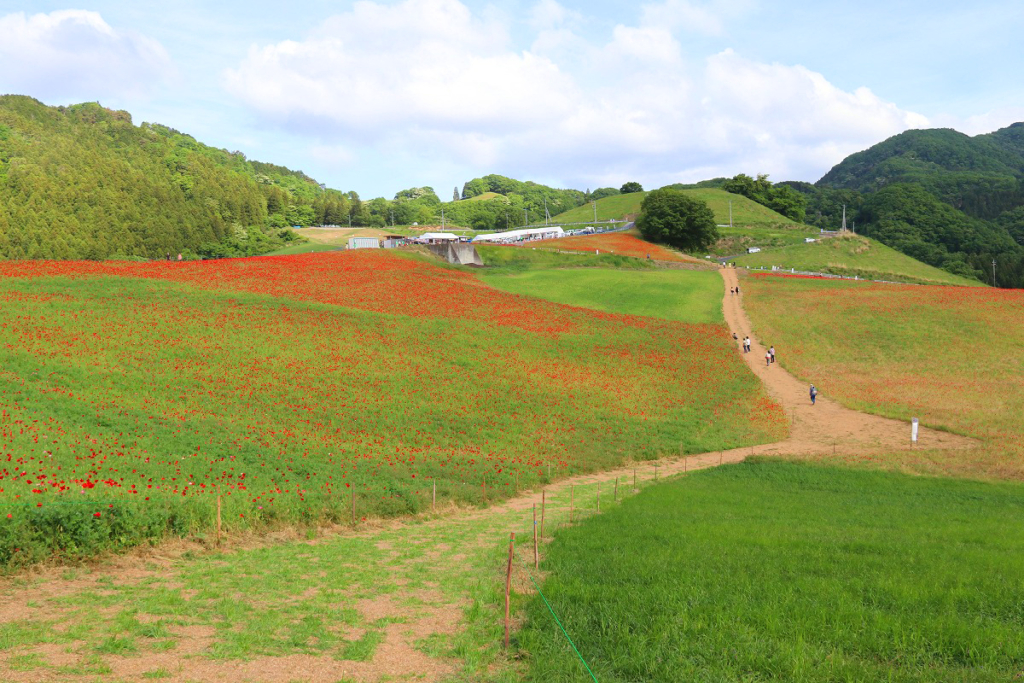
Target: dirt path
(393,556)
(826,426)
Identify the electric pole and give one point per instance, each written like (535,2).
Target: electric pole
(730,213)
(595,211)
(994,273)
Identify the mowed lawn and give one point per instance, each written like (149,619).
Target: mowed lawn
(133,395)
(683,295)
(772,570)
(951,356)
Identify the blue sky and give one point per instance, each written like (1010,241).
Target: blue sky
(377,96)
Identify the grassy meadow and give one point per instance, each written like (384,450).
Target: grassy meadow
(853,255)
(133,395)
(509,258)
(745,212)
(773,570)
(952,356)
(691,296)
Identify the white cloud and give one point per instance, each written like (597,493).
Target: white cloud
(75,54)
(982,123)
(707,18)
(420,63)
(432,79)
(549,14)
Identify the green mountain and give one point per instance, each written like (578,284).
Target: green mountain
(85,182)
(948,199)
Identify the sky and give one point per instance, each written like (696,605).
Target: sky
(381,95)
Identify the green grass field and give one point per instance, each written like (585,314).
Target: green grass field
(771,570)
(853,255)
(952,356)
(616,207)
(683,295)
(745,212)
(508,259)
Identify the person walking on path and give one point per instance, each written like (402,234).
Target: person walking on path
(767,358)
(771,352)
(746,344)
(814,394)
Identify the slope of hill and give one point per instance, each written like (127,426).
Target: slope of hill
(84,182)
(853,255)
(953,201)
(626,206)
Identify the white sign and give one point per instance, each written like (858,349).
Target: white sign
(913,430)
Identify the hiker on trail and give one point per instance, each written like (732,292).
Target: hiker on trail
(731,292)
(771,352)
(734,336)
(746,344)
(767,358)
(814,394)
(737,289)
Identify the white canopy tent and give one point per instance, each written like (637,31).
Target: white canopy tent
(548,232)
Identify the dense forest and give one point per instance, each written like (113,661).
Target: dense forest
(945,198)
(85,182)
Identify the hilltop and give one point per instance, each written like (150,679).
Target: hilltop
(945,198)
(85,182)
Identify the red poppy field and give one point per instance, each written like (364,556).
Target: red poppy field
(952,356)
(621,243)
(132,395)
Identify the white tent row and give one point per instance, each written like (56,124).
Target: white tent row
(548,232)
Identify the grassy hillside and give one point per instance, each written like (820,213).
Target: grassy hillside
(792,572)
(627,243)
(744,211)
(853,255)
(507,258)
(485,196)
(616,207)
(142,391)
(952,356)
(683,295)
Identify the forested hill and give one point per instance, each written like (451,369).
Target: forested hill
(945,198)
(84,182)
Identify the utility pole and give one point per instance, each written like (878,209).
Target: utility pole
(844,218)
(506,220)
(442,219)
(730,213)
(994,273)
(526,216)
(547,215)
(595,211)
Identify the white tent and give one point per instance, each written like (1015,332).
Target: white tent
(438,237)
(549,232)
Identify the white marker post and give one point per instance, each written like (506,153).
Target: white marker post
(913,431)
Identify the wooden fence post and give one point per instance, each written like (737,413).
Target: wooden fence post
(599,498)
(616,489)
(433,497)
(719,457)
(686,464)
(353,507)
(634,479)
(536,557)
(218,520)
(508,582)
